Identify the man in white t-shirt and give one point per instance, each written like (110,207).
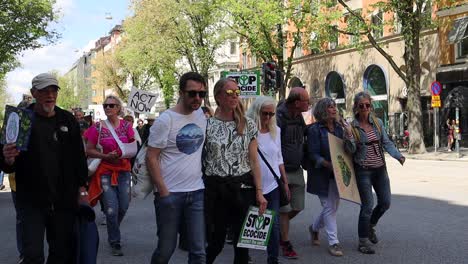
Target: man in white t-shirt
(174,161)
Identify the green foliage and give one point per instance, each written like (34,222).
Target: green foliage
(4,98)
(165,32)
(24,25)
(67,97)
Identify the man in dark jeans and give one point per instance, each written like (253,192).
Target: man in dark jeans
(50,177)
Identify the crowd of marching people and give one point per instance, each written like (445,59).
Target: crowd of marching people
(206,169)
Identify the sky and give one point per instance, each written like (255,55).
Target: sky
(81,23)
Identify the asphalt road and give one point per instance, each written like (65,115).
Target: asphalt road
(427,223)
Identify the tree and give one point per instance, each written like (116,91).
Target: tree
(414,15)
(67,98)
(4,99)
(24,25)
(172,33)
(266,26)
(110,72)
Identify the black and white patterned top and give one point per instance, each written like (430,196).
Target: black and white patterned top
(227,152)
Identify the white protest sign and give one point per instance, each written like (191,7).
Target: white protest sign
(255,232)
(141,101)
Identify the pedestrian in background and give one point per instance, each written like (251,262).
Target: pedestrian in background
(174,158)
(371,170)
(111,181)
(262,112)
(50,177)
(291,122)
(320,176)
(146,127)
(232,173)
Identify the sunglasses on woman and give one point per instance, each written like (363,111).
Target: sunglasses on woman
(270,114)
(232,92)
(362,106)
(192,94)
(109,105)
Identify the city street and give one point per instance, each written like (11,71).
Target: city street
(427,223)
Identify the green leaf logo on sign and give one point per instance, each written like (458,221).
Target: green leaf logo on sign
(259,222)
(244,80)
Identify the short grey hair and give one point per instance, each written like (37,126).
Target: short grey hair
(320,109)
(119,103)
(358,97)
(255,109)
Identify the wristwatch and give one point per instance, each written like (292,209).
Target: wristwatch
(84,193)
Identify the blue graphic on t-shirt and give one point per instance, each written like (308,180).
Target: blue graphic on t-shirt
(189,139)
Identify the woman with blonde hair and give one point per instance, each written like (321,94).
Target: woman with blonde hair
(232,174)
(263,111)
(111,181)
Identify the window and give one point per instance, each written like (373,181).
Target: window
(353,25)
(253,61)
(298,52)
(377,25)
(462,48)
(334,88)
(396,24)
(333,44)
(375,83)
(233,48)
(244,60)
(314,7)
(94,92)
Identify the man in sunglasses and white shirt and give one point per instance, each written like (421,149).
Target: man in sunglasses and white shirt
(174,161)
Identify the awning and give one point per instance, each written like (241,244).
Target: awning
(458,31)
(452,73)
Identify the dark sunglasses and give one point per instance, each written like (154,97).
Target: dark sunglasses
(192,94)
(108,105)
(270,114)
(364,105)
(232,92)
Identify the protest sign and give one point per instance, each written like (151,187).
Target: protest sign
(17,126)
(248,82)
(141,101)
(344,170)
(255,232)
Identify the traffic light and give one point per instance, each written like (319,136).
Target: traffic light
(270,77)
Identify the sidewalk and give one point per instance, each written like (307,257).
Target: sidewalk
(441,154)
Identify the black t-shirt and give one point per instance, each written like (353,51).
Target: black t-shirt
(45,146)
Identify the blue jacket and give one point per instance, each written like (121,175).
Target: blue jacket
(318,177)
(361,149)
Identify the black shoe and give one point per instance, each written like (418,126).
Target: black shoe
(365,248)
(372,236)
(117,250)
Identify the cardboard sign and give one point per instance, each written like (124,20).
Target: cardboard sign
(141,101)
(248,82)
(255,232)
(17,126)
(343,169)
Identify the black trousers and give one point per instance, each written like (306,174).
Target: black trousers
(226,205)
(59,228)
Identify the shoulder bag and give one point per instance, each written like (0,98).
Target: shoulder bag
(93,163)
(283,196)
(129,150)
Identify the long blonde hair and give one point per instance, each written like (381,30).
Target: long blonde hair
(239,116)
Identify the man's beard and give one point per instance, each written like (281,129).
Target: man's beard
(48,109)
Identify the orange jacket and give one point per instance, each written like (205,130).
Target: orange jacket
(95,189)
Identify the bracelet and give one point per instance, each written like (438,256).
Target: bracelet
(84,193)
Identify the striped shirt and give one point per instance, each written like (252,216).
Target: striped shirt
(374,151)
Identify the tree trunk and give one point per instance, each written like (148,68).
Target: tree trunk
(413,73)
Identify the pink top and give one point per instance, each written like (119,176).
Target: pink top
(124,132)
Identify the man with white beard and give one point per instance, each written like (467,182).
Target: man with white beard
(51,177)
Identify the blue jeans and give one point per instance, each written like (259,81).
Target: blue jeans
(169,212)
(366,179)
(116,200)
(273,199)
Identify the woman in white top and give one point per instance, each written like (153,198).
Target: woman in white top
(262,111)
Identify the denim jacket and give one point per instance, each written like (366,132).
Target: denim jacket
(361,149)
(318,177)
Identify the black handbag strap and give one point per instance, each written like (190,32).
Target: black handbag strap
(268,164)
